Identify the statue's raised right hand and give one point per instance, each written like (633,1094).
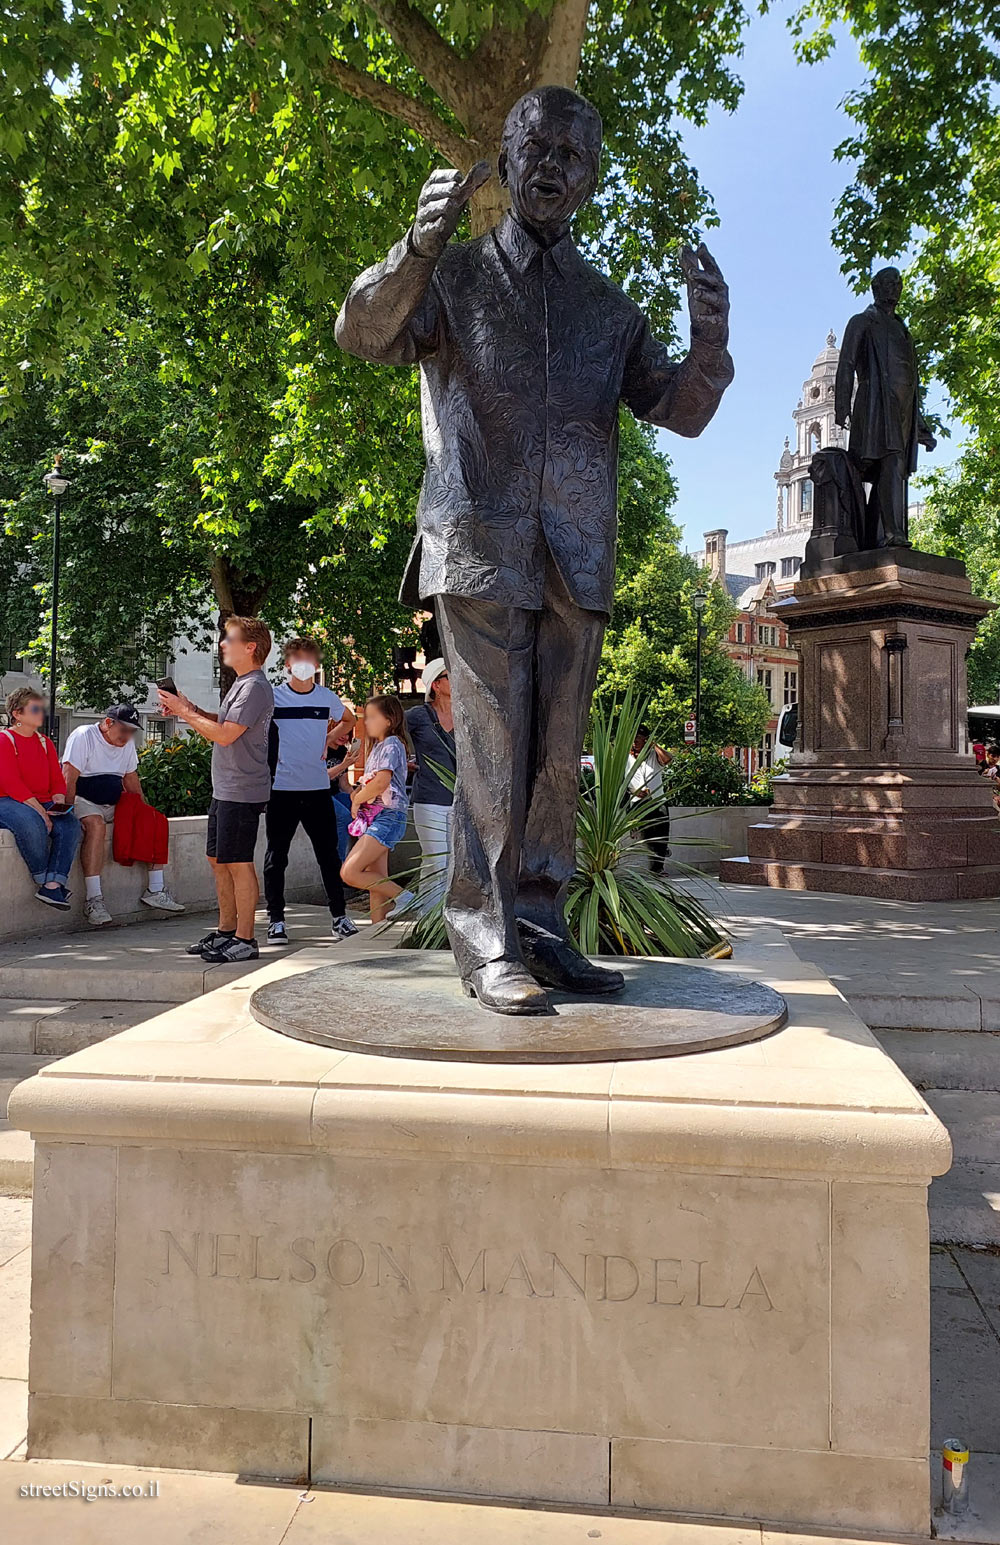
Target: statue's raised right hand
(442,198)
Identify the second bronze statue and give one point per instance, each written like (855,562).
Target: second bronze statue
(525,353)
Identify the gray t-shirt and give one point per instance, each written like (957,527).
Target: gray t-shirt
(240,772)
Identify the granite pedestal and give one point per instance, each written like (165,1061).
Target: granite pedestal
(696,1284)
(881,797)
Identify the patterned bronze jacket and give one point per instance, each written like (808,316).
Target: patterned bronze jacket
(524,355)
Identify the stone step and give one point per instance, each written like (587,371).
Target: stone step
(952,883)
(15,1068)
(119,976)
(54,1028)
(16,1155)
(946,1059)
(965,1203)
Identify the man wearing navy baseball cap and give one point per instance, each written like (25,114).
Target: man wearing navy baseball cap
(100,762)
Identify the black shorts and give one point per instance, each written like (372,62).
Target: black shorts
(232,830)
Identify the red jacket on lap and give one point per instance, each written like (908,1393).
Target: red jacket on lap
(140,833)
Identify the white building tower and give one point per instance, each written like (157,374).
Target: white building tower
(815,429)
(777,553)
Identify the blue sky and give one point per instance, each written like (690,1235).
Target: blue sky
(770,169)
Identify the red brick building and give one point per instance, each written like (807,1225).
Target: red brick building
(757,643)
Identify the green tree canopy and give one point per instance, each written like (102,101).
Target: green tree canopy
(962,520)
(157,540)
(925,178)
(151,142)
(650,648)
(197,187)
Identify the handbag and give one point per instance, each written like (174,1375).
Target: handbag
(364,818)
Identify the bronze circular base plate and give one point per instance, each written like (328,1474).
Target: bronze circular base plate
(409,1003)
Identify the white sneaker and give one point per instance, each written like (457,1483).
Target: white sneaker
(162,901)
(96,912)
(403,902)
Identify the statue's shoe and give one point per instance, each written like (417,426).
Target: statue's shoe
(556,963)
(506,987)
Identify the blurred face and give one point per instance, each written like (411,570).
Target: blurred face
(442,690)
(548,166)
(116,734)
(302,666)
(638,744)
(236,651)
(376,724)
(31,715)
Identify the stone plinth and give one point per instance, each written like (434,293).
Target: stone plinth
(882,797)
(698,1284)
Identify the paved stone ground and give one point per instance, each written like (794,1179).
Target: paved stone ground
(220,1510)
(900,964)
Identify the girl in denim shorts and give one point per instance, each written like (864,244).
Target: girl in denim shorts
(378,809)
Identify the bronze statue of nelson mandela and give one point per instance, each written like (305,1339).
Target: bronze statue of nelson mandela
(525,352)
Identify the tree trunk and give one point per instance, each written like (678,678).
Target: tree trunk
(238,595)
(488,206)
(479,88)
(559,64)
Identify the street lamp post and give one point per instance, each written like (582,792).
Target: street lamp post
(57,483)
(699,599)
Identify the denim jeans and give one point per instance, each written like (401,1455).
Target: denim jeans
(48,855)
(342,810)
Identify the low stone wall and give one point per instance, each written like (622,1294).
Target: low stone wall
(700,838)
(189,878)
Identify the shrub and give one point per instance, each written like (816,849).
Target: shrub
(615,905)
(702,777)
(177,774)
(761,785)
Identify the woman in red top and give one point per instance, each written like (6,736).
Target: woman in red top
(33,799)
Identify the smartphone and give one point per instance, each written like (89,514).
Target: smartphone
(167,684)
(60,810)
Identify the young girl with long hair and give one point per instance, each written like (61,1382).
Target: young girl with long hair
(378,807)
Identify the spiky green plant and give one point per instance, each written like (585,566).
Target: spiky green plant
(615,905)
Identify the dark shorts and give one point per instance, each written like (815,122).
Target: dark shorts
(232,831)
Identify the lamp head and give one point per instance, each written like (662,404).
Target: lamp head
(700,600)
(57,481)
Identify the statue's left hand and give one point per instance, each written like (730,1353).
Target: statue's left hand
(708,296)
(926,439)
